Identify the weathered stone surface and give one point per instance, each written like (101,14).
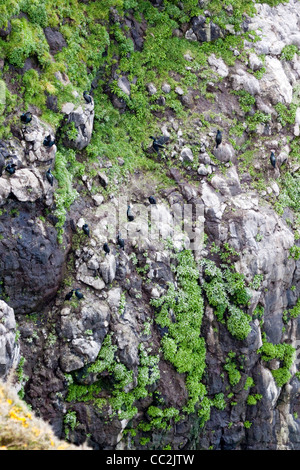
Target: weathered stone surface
(225,153)
(31,261)
(55,40)
(84,331)
(83,120)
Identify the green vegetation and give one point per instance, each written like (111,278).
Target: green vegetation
(234,375)
(285,353)
(288,52)
(227,292)
(121,401)
(182,345)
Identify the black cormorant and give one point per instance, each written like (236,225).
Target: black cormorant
(120,241)
(218,138)
(152,200)
(159,143)
(26,117)
(130,215)
(78,294)
(69,295)
(49,176)
(11,168)
(48,141)
(87,97)
(86,229)
(273,160)
(106,248)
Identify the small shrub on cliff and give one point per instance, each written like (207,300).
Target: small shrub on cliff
(285,353)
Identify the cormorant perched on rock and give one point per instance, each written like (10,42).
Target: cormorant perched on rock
(49,176)
(159,143)
(69,295)
(86,229)
(11,168)
(130,215)
(106,248)
(87,97)
(152,200)
(273,160)
(48,141)
(78,294)
(26,117)
(120,241)
(218,138)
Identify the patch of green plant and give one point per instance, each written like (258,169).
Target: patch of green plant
(219,401)
(246,100)
(253,399)
(295,252)
(227,292)
(234,375)
(285,353)
(286,115)
(182,345)
(294,312)
(67,168)
(122,402)
(249,383)
(288,52)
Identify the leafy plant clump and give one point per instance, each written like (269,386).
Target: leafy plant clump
(285,353)
(181,312)
(227,293)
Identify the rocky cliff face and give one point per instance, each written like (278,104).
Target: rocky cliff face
(186,336)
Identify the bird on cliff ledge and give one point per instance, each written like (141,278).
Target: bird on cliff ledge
(273,160)
(87,97)
(152,200)
(48,141)
(218,138)
(49,176)
(159,143)
(78,294)
(120,241)
(26,117)
(106,248)
(86,229)
(69,295)
(11,168)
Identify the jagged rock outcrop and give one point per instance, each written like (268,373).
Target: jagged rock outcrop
(32,261)
(32,160)
(82,118)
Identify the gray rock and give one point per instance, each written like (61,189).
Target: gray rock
(124,85)
(225,153)
(108,269)
(55,40)
(204,170)
(186,154)
(83,119)
(151,89)
(4,32)
(84,332)
(31,260)
(103,179)
(218,65)
(179,91)
(190,35)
